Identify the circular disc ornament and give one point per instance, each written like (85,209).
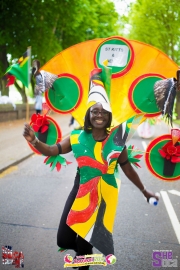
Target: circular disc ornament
(119,53)
(65,95)
(54,134)
(155,162)
(141,94)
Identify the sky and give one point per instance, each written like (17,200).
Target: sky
(122,8)
(122,5)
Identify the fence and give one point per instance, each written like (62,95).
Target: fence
(7,111)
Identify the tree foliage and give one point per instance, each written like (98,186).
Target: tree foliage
(49,26)
(157,23)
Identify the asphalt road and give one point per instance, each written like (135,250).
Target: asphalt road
(32,199)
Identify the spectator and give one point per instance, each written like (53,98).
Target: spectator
(38,104)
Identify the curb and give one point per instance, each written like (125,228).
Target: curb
(22,159)
(16,162)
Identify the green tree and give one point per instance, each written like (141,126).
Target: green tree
(96,19)
(24,23)
(156,22)
(49,26)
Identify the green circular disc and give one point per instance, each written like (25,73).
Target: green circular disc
(65,95)
(155,162)
(54,134)
(141,94)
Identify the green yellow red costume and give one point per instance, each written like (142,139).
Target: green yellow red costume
(93,211)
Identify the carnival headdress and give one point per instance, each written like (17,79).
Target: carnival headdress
(99,81)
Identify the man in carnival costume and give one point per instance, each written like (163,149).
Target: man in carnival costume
(88,217)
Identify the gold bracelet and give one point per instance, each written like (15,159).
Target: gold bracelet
(36,140)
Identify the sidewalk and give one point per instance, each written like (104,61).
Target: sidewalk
(13,146)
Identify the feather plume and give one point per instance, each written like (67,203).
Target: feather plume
(44,81)
(165,93)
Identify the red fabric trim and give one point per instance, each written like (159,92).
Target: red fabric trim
(84,215)
(90,162)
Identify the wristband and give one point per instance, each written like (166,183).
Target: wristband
(36,140)
(124,163)
(59,148)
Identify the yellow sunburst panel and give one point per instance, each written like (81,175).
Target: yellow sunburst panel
(110,196)
(91,103)
(76,60)
(148,59)
(79,61)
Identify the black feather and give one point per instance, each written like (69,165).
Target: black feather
(165,93)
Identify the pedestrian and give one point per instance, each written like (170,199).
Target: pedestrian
(88,216)
(71,122)
(74,124)
(38,104)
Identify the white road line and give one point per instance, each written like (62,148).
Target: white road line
(175,192)
(172,215)
(144,145)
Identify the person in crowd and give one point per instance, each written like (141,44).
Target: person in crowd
(38,104)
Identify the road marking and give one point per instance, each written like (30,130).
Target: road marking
(175,192)
(172,215)
(9,170)
(144,145)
